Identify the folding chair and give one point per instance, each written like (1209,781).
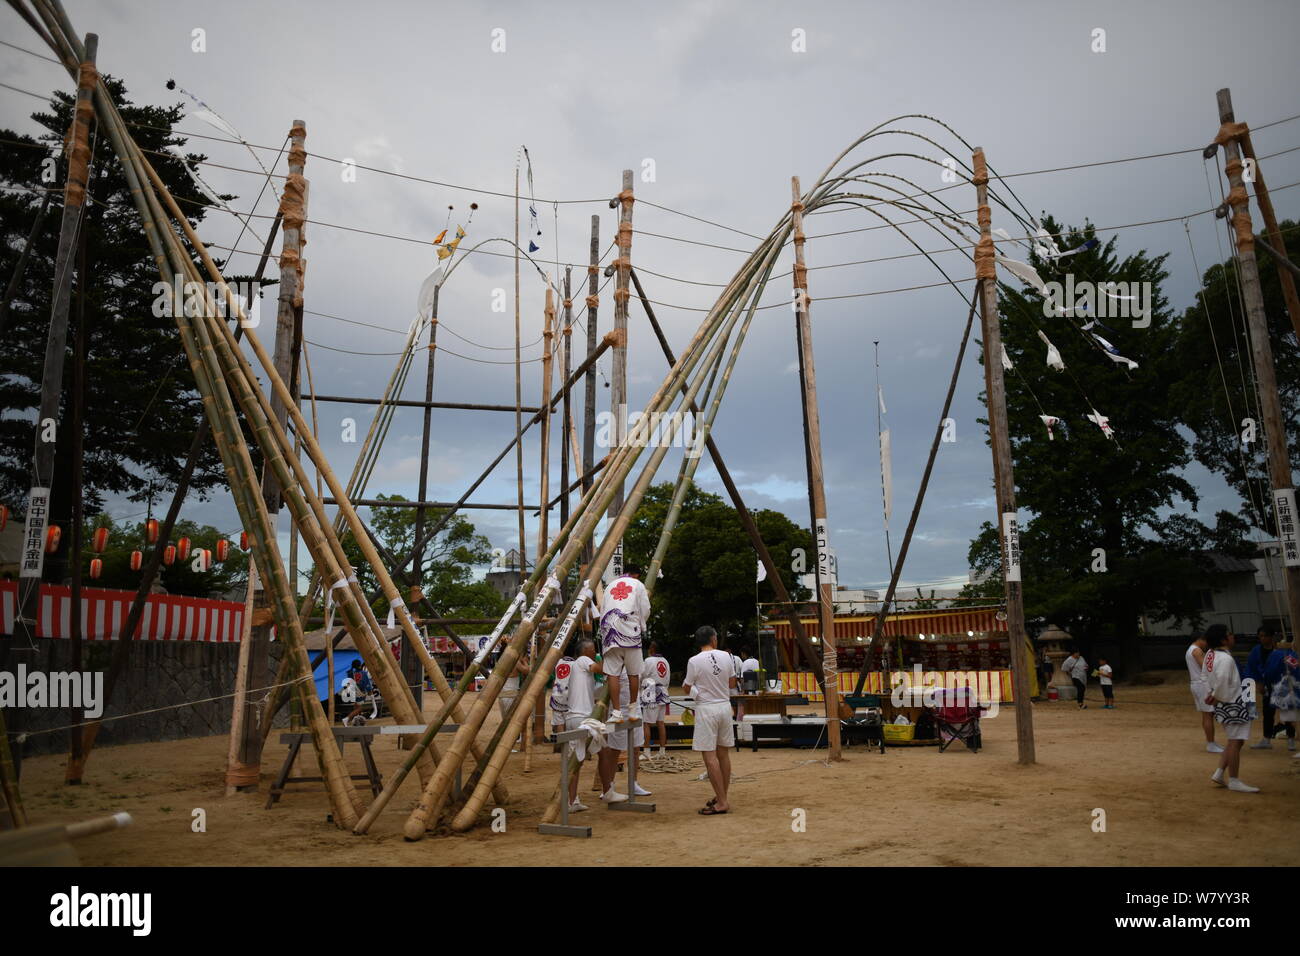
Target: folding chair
(958,718)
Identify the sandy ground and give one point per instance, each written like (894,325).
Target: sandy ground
(1144,764)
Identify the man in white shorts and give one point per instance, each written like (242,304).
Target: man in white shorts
(581,675)
(655,675)
(624,611)
(1195,658)
(711,681)
(616,742)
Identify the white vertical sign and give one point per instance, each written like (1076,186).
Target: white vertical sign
(1287,535)
(32,562)
(825,567)
(1011,542)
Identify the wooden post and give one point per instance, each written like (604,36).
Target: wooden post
(1003,473)
(74,201)
(417,556)
(1261,352)
(618,377)
(566,410)
(244,775)
(830,679)
(548,341)
(519,398)
(589,386)
(78,407)
(1285,279)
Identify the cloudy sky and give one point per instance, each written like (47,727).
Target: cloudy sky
(713,96)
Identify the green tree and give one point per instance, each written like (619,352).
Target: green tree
(1099,548)
(710,566)
(446,573)
(1216,392)
(141,406)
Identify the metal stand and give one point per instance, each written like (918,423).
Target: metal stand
(631,804)
(564,828)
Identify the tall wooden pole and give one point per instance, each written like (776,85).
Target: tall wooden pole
(589,386)
(1261,352)
(47,419)
(830,679)
(293,207)
(566,412)
(519,400)
(548,338)
(417,556)
(78,403)
(618,378)
(1285,279)
(1003,473)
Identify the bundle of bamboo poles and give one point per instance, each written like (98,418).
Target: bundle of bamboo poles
(225,378)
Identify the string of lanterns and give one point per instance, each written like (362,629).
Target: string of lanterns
(182,549)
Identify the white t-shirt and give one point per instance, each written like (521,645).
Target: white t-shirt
(1222,679)
(736,665)
(1076,668)
(1105,671)
(560,690)
(749,664)
(582,688)
(1195,671)
(654,680)
(624,610)
(709,675)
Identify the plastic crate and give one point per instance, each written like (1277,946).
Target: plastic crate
(899,733)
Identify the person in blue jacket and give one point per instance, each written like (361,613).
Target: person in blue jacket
(1265,666)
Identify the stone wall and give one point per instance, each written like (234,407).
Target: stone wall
(159,676)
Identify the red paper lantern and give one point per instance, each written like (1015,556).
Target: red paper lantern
(99,540)
(4,516)
(96,567)
(52,535)
(169,554)
(137,560)
(183,548)
(223,550)
(151,531)
(204,558)
(243,541)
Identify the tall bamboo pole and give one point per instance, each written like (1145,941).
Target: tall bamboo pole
(618,377)
(245,773)
(746,518)
(830,680)
(1003,475)
(220,411)
(1261,353)
(74,202)
(589,391)
(519,396)
(417,555)
(500,753)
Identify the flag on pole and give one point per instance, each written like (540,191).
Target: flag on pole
(762,573)
(886,475)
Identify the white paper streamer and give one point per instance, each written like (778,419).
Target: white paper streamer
(1023,271)
(1053,356)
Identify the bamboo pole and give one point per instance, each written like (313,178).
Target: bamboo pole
(746,519)
(618,376)
(78,409)
(1261,348)
(74,203)
(417,555)
(519,396)
(589,386)
(234,772)
(816,487)
(879,628)
(1003,476)
(469,812)
(234,455)
(20,266)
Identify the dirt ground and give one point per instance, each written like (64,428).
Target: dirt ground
(1143,764)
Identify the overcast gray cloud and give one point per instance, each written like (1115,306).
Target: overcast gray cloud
(712,93)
